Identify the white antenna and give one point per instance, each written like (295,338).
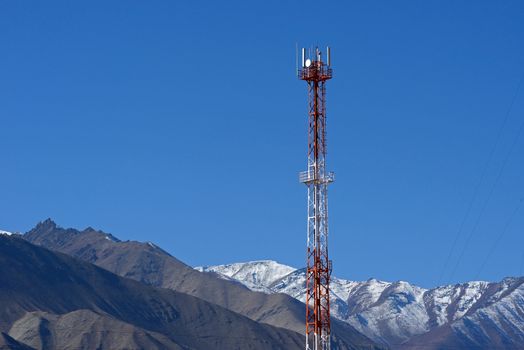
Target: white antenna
(303,57)
(296,58)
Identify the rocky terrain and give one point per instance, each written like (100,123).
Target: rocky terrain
(49,300)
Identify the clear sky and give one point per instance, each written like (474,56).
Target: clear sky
(182,123)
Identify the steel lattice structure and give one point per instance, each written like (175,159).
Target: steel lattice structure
(318,326)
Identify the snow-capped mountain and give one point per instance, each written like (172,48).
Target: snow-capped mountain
(5,233)
(394,313)
(257,275)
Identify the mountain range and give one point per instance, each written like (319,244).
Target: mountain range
(473,315)
(151,266)
(49,300)
(68,288)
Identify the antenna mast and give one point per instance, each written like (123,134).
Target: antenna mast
(315,73)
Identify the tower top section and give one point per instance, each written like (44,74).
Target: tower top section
(313,67)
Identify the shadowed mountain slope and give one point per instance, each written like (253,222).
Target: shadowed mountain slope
(47,298)
(147,263)
(9,343)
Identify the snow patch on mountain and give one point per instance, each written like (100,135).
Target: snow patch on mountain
(256,275)
(389,312)
(5,233)
(501,318)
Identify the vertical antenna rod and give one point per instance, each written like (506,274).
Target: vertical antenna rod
(318,325)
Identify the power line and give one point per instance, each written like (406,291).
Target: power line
(499,238)
(488,198)
(481,180)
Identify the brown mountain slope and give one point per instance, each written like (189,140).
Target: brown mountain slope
(149,264)
(57,287)
(85,329)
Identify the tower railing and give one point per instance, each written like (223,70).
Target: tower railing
(309,176)
(317,71)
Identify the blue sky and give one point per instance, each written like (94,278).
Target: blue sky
(183,123)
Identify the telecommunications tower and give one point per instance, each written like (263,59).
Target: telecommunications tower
(315,73)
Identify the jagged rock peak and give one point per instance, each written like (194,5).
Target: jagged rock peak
(46,224)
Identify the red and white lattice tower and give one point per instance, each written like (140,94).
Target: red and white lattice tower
(315,73)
